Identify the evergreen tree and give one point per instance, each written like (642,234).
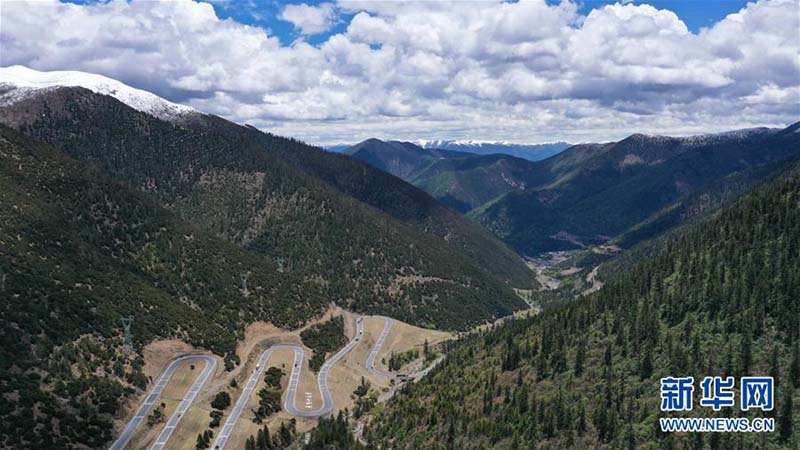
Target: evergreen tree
(747,353)
(774,366)
(580,427)
(580,355)
(203,440)
(794,366)
(699,303)
(786,415)
(262,442)
(646,365)
(286,434)
(201,444)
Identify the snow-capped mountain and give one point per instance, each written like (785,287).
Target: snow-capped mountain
(708,138)
(19,82)
(439,143)
(531,152)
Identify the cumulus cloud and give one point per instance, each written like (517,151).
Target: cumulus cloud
(524,71)
(309,19)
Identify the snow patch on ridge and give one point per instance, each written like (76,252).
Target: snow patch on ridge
(441,143)
(20,82)
(709,138)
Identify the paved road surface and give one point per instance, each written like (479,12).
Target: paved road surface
(155,393)
(241,403)
(387,328)
(377,348)
(291,391)
(322,379)
(183,406)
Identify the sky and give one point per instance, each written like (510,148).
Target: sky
(331,72)
(696,14)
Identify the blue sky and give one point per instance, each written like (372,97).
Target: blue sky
(694,13)
(265,13)
(346,70)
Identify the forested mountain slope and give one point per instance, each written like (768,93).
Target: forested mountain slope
(718,299)
(589,194)
(232,181)
(401,159)
(78,251)
(389,194)
(531,152)
(460,180)
(620,192)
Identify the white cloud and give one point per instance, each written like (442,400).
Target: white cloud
(309,19)
(524,71)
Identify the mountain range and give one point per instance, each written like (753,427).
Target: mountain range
(463,181)
(718,298)
(531,152)
(117,203)
(589,194)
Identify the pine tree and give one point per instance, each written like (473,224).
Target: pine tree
(285,435)
(774,369)
(451,434)
(512,359)
(202,441)
(785,419)
(794,366)
(646,366)
(581,425)
(267,438)
(601,422)
(747,353)
(580,356)
(261,441)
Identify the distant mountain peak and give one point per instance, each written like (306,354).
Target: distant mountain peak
(531,152)
(702,139)
(438,143)
(371,142)
(18,83)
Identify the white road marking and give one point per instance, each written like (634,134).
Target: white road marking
(377,348)
(156,391)
(291,391)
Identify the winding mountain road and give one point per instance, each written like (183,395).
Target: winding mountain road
(322,379)
(289,403)
(230,423)
(387,328)
(155,393)
(291,392)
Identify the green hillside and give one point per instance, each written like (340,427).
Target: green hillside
(460,180)
(638,187)
(402,201)
(719,299)
(620,192)
(79,250)
(235,182)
